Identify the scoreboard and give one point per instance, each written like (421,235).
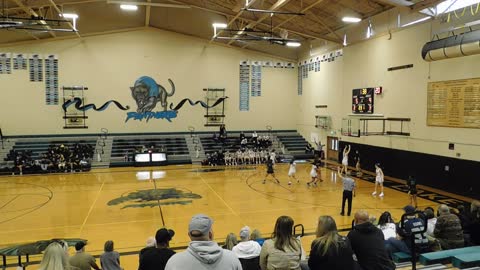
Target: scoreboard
(362,100)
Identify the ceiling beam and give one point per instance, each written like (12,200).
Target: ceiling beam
(425,4)
(320,21)
(60,12)
(63,4)
(279,4)
(33,13)
(302,11)
(250,3)
(147,14)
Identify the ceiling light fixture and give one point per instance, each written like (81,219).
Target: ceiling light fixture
(351,19)
(219,25)
(129,7)
(69,16)
(345,40)
(417,21)
(293,44)
(369,29)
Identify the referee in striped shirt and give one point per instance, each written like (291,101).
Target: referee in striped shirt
(348,191)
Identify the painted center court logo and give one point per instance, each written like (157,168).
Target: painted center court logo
(148,95)
(155,197)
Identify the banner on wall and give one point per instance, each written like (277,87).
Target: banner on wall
(19,61)
(35,64)
(244,104)
(5,63)
(51,79)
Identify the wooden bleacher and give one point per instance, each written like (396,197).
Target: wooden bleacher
(175,146)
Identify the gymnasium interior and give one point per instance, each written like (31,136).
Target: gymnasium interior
(119,118)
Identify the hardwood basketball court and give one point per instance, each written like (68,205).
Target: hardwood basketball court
(121,204)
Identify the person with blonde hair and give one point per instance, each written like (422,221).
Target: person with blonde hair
(55,257)
(110,259)
(283,250)
(230,241)
(330,250)
(256,236)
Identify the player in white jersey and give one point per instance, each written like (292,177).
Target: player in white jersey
(379,178)
(346,151)
(251,156)
(314,174)
(273,156)
(292,171)
(239,157)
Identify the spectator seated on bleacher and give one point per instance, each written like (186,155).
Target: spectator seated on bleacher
(387,225)
(331,250)
(472,226)
(247,249)
(448,230)
(230,241)
(283,251)
(368,243)
(403,242)
(56,159)
(157,253)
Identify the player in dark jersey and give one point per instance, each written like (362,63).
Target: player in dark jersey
(412,190)
(270,171)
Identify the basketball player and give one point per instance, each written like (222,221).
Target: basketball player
(346,151)
(314,174)
(291,172)
(270,171)
(412,190)
(378,179)
(273,156)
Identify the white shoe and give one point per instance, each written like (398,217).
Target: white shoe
(381,194)
(289,182)
(374,193)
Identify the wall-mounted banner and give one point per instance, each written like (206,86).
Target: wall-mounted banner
(147,94)
(19,61)
(35,63)
(5,63)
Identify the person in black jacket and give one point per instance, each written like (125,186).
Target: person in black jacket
(156,257)
(331,250)
(368,244)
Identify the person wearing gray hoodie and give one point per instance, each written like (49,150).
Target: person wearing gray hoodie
(202,252)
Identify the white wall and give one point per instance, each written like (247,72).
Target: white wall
(109,66)
(405,92)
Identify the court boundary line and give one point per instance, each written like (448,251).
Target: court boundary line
(91,208)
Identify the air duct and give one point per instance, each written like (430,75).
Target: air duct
(460,45)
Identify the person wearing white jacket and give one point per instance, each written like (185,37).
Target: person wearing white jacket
(246,249)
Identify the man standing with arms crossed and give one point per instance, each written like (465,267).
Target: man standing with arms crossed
(348,191)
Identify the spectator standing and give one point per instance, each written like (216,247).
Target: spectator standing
(157,253)
(448,230)
(368,244)
(283,250)
(203,253)
(110,259)
(81,259)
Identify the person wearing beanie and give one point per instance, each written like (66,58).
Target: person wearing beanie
(81,259)
(367,242)
(203,253)
(155,257)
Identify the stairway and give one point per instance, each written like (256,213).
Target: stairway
(7,146)
(104,148)
(193,143)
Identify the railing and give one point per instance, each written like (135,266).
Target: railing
(101,143)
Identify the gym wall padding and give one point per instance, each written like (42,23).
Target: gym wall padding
(462,176)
